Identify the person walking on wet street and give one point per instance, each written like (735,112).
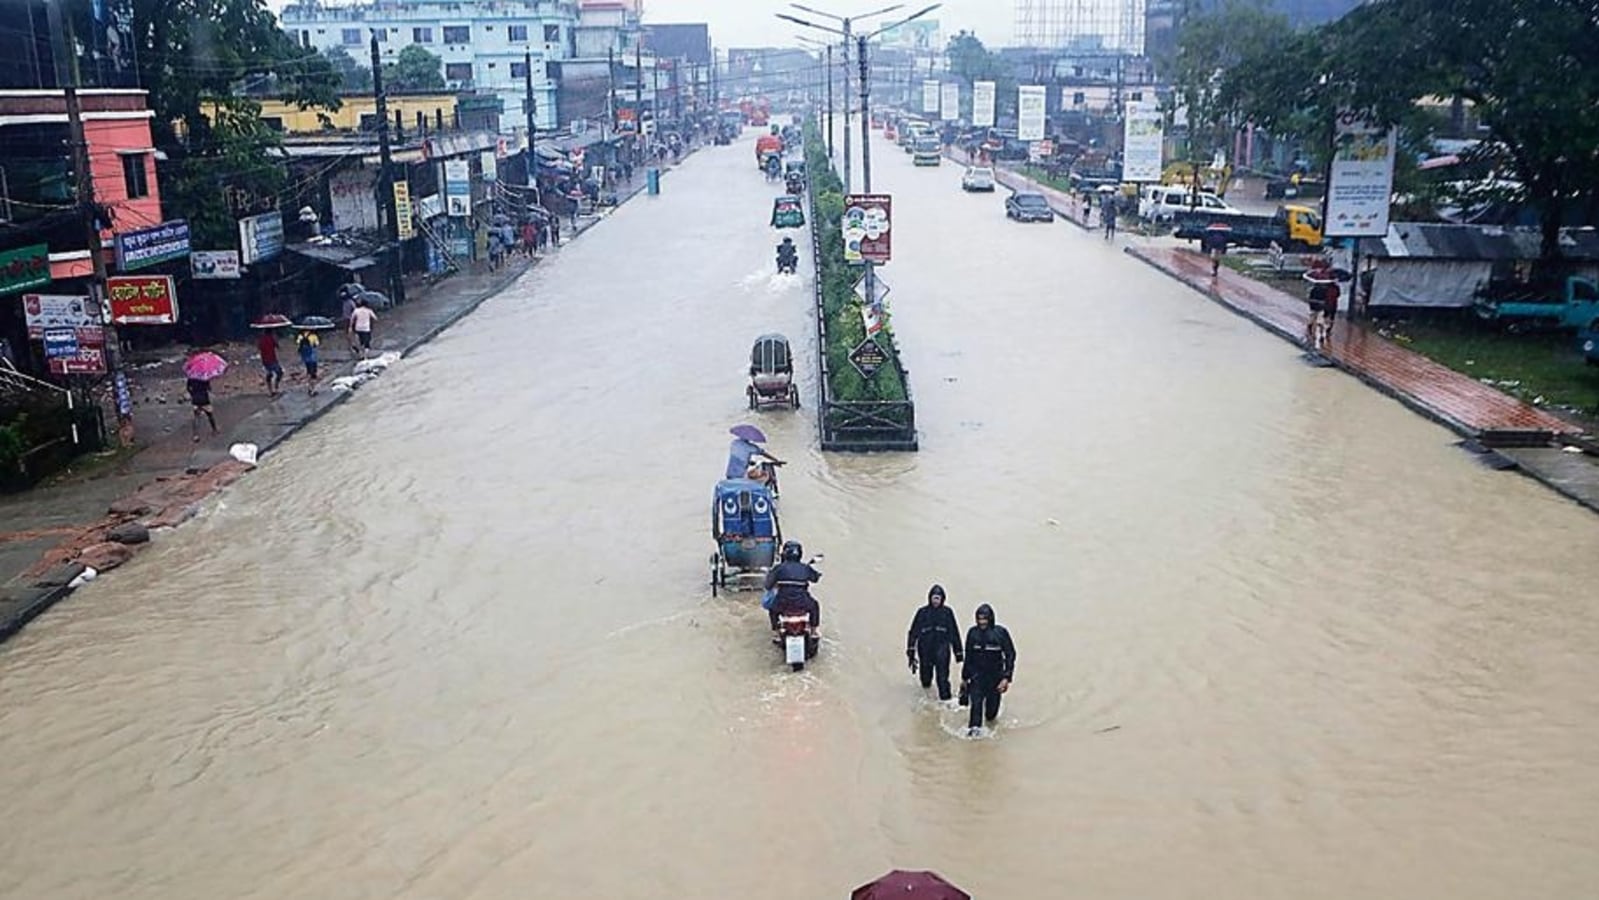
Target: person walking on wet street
(268,345)
(361,326)
(306,343)
(934,633)
(200,397)
(1107,215)
(990,666)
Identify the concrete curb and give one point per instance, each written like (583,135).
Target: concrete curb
(1411,403)
(36,601)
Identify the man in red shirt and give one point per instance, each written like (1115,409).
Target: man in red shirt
(268,345)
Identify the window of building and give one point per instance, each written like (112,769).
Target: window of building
(552,34)
(457,34)
(516,34)
(305,39)
(458,71)
(133,175)
(351,37)
(381,35)
(369,122)
(421,35)
(518,70)
(273,122)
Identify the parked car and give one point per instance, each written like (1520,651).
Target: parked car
(1028,208)
(978,178)
(1162,203)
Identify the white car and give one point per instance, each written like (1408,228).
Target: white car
(978,178)
(1161,203)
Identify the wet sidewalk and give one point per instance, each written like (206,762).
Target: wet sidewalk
(162,481)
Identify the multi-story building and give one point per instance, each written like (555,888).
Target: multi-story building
(484,44)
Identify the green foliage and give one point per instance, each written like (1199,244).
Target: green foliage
(201,60)
(840,306)
(1213,55)
(353,76)
(415,69)
(1527,66)
(970,61)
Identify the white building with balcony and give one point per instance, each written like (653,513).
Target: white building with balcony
(483,43)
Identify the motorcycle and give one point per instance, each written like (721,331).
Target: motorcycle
(787,265)
(796,638)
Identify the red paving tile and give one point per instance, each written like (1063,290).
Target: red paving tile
(1459,401)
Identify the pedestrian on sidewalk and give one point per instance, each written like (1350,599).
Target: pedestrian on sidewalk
(1214,243)
(200,396)
(530,238)
(555,229)
(268,345)
(1107,212)
(361,326)
(307,342)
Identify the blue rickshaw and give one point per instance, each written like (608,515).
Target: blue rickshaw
(747,535)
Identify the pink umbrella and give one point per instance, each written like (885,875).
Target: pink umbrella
(205,366)
(901,885)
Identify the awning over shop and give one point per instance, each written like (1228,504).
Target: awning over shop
(346,253)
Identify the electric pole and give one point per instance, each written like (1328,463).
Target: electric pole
(846,106)
(531,107)
(830,154)
(610,92)
(638,99)
(386,181)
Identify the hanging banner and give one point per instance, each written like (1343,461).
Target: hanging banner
(929,96)
(260,237)
(1143,142)
(866,228)
(490,165)
(1030,112)
(1362,178)
(23,268)
(402,210)
(950,102)
(149,246)
(457,187)
(983,104)
(214,264)
(142,299)
(42,312)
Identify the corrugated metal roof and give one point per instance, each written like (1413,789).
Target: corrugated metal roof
(1432,240)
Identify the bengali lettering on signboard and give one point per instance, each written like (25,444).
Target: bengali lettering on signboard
(1143,142)
(1030,112)
(87,361)
(867,224)
(949,103)
(214,264)
(142,299)
(929,96)
(867,357)
(41,312)
(23,268)
(458,187)
(983,95)
(151,246)
(260,237)
(402,210)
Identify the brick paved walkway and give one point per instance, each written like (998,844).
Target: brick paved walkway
(1456,400)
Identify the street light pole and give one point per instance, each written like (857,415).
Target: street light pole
(830,153)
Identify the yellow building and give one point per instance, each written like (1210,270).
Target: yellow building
(359,113)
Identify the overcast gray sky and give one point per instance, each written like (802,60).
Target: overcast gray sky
(750,23)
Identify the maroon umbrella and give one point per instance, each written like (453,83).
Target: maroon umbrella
(901,885)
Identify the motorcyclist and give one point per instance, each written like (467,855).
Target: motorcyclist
(792,579)
(787,255)
(990,666)
(933,634)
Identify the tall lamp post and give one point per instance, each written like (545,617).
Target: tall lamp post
(846,34)
(827,50)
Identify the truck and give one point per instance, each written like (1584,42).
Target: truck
(1576,309)
(1296,229)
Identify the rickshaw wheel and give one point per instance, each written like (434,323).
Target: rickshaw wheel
(749,394)
(714,579)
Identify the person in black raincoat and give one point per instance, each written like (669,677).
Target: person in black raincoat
(933,634)
(990,666)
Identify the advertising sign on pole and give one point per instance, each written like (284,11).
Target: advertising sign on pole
(867,222)
(1143,142)
(1030,112)
(457,188)
(983,104)
(87,361)
(950,101)
(868,357)
(1362,177)
(929,96)
(214,263)
(260,237)
(490,165)
(60,343)
(142,299)
(23,268)
(402,209)
(42,312)
(149,246)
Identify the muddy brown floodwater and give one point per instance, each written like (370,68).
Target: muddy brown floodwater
(1277,637)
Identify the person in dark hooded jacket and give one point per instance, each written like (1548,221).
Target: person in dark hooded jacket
(933,634)
(990,666)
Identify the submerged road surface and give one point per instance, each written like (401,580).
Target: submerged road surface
(1277,637)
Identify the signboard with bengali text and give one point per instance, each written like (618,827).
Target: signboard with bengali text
(142,299)
(152,246)
(867,224)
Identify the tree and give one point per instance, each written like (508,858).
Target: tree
(197,58)
(1215,55)
(354,77)
(970,61)
(415,69)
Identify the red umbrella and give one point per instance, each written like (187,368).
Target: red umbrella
(204,366)
(901,885)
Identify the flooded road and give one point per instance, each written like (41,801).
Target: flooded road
(1276,636)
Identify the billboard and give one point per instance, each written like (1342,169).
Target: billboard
(1030,112)
(149,246)
(867,223)
(929,96)
(142,299)
(922,34)
(1362,177)
(1143,142)
(983,104)
(950,102)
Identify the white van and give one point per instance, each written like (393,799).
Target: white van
(1161,202)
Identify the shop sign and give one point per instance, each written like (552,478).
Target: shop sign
(142,299)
